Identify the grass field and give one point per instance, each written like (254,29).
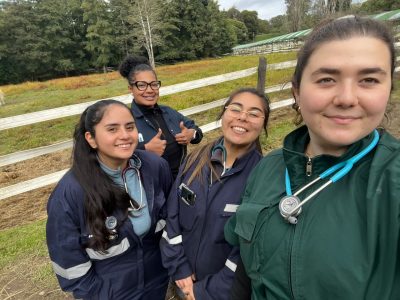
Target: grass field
(25,271)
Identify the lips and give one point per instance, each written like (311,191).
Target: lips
(342,120)
(124,146)
(239,129)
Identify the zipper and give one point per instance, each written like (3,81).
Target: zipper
(309,167)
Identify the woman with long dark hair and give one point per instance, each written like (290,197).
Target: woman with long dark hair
(207,191)
(106,214)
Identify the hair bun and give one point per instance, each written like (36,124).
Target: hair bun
(131,62)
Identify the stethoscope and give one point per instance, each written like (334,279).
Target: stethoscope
(290,206)
(111,222)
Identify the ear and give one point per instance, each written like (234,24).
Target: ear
(90,139)
(296,95)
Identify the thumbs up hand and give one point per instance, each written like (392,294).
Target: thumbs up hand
(156,144)
(185,136)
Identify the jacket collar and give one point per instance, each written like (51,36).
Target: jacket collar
(294,146)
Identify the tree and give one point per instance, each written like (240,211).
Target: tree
(375,6)
(99,32)
(296,12)
(250,19)
(240,30)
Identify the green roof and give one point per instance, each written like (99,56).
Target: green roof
(385,16)
(388,15)
(281,38)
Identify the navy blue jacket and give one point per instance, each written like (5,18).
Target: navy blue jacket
(193,242)
(132,268)
(172,118)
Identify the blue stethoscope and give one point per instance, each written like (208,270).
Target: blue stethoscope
(290,205)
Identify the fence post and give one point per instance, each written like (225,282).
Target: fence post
(262,69)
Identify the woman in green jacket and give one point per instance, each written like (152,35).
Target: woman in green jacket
(320,218)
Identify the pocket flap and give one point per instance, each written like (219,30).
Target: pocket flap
(247,216)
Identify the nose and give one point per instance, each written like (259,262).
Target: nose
(124,134)
(346,95)
(243,115)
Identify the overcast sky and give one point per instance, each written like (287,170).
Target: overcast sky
(266,8)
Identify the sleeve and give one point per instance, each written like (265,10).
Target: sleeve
(241,287)
(218,285)
(172,252)
(167,181)
(229,230)
(191,125)
(70,262)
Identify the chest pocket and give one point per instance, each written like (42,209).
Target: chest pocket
(249,218)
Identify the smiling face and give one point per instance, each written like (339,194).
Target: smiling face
(148,97)
(241,130)
(343,92)
(116,136)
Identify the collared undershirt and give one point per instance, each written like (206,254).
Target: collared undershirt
(141,220)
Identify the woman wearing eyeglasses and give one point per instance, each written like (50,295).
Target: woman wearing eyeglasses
(105,215)
(206,193)
(162,130)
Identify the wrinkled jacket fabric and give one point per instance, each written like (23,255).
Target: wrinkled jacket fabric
(346,242)
(172,118)
(132,268)
(193,241)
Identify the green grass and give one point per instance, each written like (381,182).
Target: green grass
(36,96)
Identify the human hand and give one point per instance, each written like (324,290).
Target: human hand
(188,291)
(185,136)
(182,283)
(156,144)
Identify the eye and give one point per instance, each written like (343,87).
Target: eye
(255,114)
(111,129)
(235,108)
(141,85)
(130,127)
(325,80)
(369,81)
(155,85)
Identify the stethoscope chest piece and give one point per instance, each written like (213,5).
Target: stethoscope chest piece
(111,225)
(287,206)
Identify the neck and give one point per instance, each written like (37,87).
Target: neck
(113,164)
(315,150)
(234,151)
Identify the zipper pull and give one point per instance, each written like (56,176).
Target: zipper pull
(309,167)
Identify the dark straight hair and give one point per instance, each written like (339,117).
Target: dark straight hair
(102,196)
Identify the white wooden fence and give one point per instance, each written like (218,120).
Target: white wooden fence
(35,117)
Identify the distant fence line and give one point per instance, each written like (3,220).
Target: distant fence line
(45,180)
(75,109)
(32,153)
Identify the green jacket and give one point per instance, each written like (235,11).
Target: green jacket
(346,243)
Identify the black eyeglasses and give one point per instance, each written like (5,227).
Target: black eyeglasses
(142,85)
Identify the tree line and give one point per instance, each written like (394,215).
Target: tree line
(43,39)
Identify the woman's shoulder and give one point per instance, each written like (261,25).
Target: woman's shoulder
(67,189)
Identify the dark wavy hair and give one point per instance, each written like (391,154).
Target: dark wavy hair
(132,65)
(102,196)
(201,155)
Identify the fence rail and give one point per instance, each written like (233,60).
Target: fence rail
(45,180)
(75,109)
(32,153)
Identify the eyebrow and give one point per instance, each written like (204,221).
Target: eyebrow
(241,105)
(331,71)
(118,124)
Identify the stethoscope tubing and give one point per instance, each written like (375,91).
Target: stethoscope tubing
(346,167)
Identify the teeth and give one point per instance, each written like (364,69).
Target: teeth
(124,145)
(241,129)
